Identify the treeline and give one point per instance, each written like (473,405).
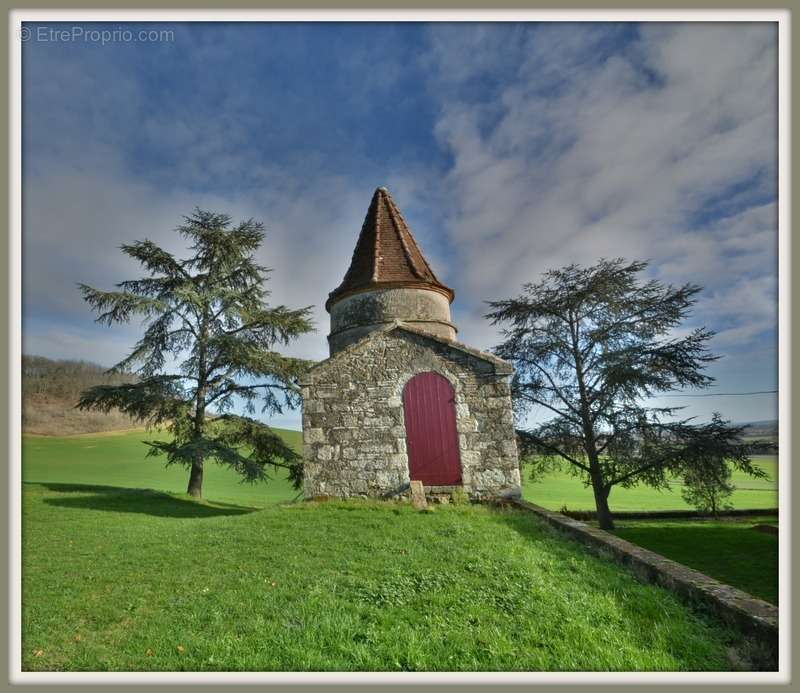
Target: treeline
(763,429)
(762,447)
(761,437)
(50,391)
(64,379)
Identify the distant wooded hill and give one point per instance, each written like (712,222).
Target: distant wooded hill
(764,429)
(762,436)
(50,391)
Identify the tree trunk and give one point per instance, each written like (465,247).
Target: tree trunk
(601,491)
(604,518)
(196,480)
(196,475)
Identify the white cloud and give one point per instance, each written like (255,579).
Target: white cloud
(75,222)
(563,147)
(622,155)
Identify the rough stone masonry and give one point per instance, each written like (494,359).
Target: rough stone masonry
(399,399)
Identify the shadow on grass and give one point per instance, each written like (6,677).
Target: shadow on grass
(142,501)
(733,553)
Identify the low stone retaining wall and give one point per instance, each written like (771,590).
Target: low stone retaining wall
(666,514)
(755,618)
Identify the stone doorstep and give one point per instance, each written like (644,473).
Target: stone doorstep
(443,489)
(752,616)
(441,494)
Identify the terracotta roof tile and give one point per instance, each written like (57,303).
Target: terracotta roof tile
(386,254)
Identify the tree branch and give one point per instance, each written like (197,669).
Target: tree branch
(561,413)
(541,443)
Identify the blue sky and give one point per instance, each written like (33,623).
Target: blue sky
(510,147)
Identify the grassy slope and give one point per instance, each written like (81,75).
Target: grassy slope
(48,415)
(118,460)
(729,550)
(117,579)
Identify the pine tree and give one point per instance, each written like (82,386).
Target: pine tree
(588,346)
(208,313)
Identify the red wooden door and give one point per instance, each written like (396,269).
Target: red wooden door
(431,436)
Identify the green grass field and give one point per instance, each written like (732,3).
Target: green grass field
(117,565)
(117,579)
(728,550)
(117,459)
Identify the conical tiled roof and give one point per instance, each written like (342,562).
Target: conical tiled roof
(386,255)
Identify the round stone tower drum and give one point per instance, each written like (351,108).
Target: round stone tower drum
(388,280)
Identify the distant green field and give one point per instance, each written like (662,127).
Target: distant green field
(118,459)
(559,489)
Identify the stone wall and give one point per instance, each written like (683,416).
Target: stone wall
(753,617)
(354,438)
(667,514)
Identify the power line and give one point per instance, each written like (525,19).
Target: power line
(726,394)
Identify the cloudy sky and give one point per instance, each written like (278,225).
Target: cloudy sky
(511,148)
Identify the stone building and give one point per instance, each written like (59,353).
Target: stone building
(400,399)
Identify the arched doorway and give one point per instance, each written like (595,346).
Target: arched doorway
(431,435)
